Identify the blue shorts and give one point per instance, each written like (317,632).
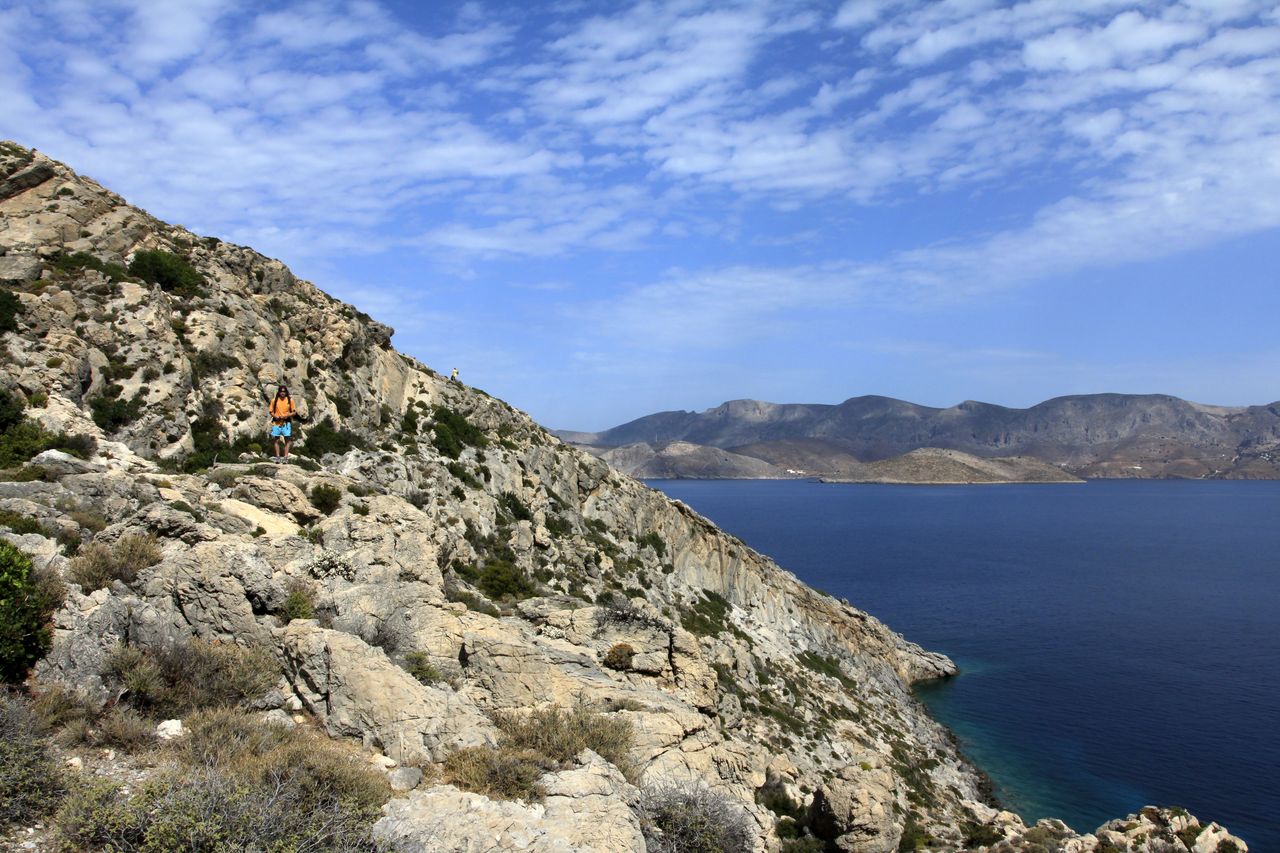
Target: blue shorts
(284,430)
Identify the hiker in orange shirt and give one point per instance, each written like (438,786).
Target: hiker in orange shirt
(282,413)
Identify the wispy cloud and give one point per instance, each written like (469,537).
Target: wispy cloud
(754,148)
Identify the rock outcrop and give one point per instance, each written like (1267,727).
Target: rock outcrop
(430,526)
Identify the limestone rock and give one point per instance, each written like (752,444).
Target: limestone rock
(356,691)
(588,809)
(276,496)
(58,463)
(170,730)
(856,810)
(271,524)
(19,269)
(404,778)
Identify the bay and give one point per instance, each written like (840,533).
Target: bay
(1117,640)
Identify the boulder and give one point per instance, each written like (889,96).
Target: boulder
(588,809)
(60,464)
(356,691)
(276,496)
(404,778)
(19,269)
(855,810)
(271,523)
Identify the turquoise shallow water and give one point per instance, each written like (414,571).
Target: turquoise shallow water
(1118,640)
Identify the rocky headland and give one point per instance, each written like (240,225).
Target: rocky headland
(435,572)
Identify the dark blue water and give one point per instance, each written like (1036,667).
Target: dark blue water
(1118,640)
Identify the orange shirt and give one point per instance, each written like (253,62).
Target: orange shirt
(282,410)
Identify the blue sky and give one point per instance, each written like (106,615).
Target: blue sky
(600,210)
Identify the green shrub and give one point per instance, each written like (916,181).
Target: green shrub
(27,600)
(11,408)
(693,819)
(111,413)
(84,261)
(323,438)
(708,617)
(983,834)
(212,362)
(500,773)
(828,666)
(654,541)
(173,273)
(420,667)
(223,737)
(500,579)
(210,446)
(460,471)
(30,780)
(10,309)
(516,508)
(96,566)
(326,498)
(178,679)
(452,431)
(19,523)
(299,603)
(560,735)
(342,405)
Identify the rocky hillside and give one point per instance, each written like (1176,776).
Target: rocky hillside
(1098,435)
(434,570)
(680,459)
(934,465)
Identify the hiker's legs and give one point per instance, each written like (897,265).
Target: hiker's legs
(277,446)
(287,443)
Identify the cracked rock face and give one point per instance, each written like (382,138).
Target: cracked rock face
(589,809)
(506,569)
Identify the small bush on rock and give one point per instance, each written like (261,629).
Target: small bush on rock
(323,438)
(177,680)
(19,523)
(173,273)
(111,413)
(96,566)
(561,735)
(452,431)
(509,774)
(693,819)
(299,603)
(326,498)
(619,656)
(420,667)
(27,600)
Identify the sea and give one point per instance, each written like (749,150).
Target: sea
(1118,640)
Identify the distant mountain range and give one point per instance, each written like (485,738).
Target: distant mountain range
(1095,435)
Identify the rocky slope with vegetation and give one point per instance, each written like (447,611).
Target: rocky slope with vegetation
(1091,436)
(441,629)
(935,465)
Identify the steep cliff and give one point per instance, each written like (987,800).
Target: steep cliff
(429,524)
